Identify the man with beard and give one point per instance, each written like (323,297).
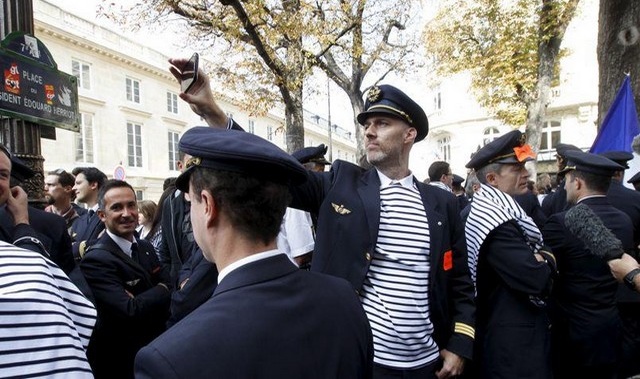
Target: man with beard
(399,242)
(58,185)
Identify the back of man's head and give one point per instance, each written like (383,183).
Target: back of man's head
(255,207)
(437,169)
(91,174)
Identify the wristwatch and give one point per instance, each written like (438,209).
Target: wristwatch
(629,278)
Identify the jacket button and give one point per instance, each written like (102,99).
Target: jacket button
(368,256)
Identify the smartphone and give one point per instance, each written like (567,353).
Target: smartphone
(189,73)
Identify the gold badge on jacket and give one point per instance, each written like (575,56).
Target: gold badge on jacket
(340,209)
(132,283)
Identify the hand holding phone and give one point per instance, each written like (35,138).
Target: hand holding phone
(189,73)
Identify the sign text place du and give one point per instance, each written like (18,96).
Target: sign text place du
(33,89)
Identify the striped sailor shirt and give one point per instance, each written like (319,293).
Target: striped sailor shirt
(395,290)
(45,321)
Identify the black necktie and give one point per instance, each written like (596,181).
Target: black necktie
(134,251)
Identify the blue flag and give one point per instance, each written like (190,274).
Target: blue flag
(620,125)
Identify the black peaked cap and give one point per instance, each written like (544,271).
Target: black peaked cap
(237,151)
(591,163)
(386,99)
(312,154)
(508,148)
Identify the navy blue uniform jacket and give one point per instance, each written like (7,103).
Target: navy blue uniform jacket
(267,319)
(586,323)
(347,201)
(125,323)
(85,228)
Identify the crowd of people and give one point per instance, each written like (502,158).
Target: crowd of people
(256,263)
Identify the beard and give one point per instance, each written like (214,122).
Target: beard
(50,199)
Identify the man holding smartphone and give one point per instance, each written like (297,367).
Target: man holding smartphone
(353,241)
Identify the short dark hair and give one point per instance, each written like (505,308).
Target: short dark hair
(596,183)
(64,178)
(437,169)
(111,184)
(255,206)
(92,174)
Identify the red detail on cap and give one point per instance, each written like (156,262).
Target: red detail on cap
(523,152)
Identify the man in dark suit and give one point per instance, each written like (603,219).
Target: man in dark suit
(556,201)
(514,269)
(86,228)
(586,324)
(627,201)
(458,190)
(266,318)
(128,283)
(28,227)
(177,243)
(356,238)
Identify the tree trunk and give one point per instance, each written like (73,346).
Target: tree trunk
(618,51)
(357,104)
(294,120)
(552,27)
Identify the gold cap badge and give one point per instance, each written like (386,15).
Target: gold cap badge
(374,94)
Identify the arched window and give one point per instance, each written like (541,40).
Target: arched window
(490,134)
(444,148)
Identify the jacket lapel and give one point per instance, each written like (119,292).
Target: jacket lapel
(435,220)
(369,192)
(110,245)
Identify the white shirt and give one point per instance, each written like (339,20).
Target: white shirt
(246,260)
(296,233)
(123,243)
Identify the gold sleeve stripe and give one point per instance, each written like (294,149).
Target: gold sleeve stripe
(464,329)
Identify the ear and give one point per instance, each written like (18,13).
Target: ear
(102,215)
(410,135)
(492,178)
(179,165)
(211,209)
(93,186)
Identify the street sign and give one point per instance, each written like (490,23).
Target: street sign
(119,173)
(33,89)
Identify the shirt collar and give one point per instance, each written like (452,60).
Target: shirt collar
(441,185)
(246,260)
(385,181)
(123,243)
(589,197)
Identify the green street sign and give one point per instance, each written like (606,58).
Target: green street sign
(33,89)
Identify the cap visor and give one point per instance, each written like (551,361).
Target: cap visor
(362,117)
(182,181)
